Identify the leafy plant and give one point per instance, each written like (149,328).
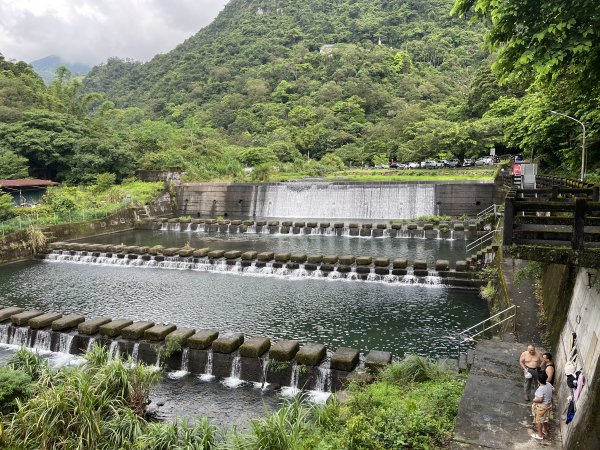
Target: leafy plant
(488,292)
(14,385)
(278,366)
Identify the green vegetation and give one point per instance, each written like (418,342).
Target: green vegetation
(77,204)
(101,405)
(413,175)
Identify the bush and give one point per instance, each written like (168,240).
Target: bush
(105,181)
(7,206)
(14,385)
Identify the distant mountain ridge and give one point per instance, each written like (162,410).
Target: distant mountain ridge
(46,67)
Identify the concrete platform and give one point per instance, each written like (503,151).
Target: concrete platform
(492,412)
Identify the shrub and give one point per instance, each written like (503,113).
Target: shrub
(413,368)
(7,206)
(14,385)
(28,362)
(104,181)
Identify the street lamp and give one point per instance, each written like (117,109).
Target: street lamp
(583,154)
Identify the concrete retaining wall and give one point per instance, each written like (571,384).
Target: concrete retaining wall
(241,200)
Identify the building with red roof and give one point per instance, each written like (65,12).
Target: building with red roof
(26,191)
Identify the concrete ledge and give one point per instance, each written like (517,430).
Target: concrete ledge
(158,332)
(347,260)
(214,254)
(376,360)
(419,264)
(228,343)
(442,264)
(113,328)
(24,317)
(311,354)
(7,313)
(180,335)
(202,339)
(265,256)
(330,259)
(67,322)
(284,350)
(136,330)
(345,359)
(282,257)
(298,257)
(91,326)
(249,256)
(381,262)
(255,347)
(400,263)
(233,254)
(314,259)
(44,320)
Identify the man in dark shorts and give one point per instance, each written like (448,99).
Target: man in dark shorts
(530,360)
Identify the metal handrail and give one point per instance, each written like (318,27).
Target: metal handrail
(482,323)
(485,238)
(487,210)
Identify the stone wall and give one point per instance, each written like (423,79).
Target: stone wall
(242,200)
(581,328)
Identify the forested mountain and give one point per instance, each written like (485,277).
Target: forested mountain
(303,86)
(46,67)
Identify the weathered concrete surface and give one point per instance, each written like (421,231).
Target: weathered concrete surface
(523,295)
(44,320)
(492,412)
(24,317)
(67,322)
(136,330)
(6,313)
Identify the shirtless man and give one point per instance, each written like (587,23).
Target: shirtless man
(530,360)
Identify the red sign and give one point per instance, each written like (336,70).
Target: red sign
(516,169)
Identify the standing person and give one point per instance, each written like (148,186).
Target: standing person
(542,406)
(530,360)
(548,367)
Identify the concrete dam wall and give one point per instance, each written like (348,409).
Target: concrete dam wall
(336,200)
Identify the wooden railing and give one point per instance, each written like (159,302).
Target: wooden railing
(556,215)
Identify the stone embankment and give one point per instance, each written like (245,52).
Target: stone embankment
(255,359)
(461,273)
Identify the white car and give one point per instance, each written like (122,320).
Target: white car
(428,165)
(413,165)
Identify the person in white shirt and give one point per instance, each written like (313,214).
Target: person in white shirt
(542,406)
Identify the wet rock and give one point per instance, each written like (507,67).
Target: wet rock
(324,225)
(287,223)
(67,322)
(202,339)
(236,222)
(347,260)
(345,359)
(419,264)
(186,252)
(442,264)
(344,269)
(461,266)
(136,330)
(377,360)
(214,254)
(412,226)
(339,225)
(233,254)
(113,328)
(44,320)
(298,257)
(364,260)
(249,256)
(171,251)
(381,262)
(312,224)
(201,252)
(458,226)
(158,332)
(255,347)
(299,224)
(23,318)
(428,226)
(265,256)
(330,259)
(314,259)
(327,267)
(6,313)
(382,226)
(180,335)
(91,326)
(228,343)
(282,257)
(284,350)
(311,354)
(273,223)
(396,226)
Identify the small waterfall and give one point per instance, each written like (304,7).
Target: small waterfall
(438,237)
(21,337)
(164,226)
(3,334)
(451,235)
(234,380)
(433,278)
(264,363)
(188,227)
(157,363)
(185,359)
(251,229)
(91,343)
(410,277)
(64,343)
(208,369)
(292,390)
(43,341)
(322,389)
(113,350)
(135,352)
(201,228)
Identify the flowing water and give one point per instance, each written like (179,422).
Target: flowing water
(397,318)
(410,248)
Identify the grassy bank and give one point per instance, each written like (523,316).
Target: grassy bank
(101,405)
(369,175)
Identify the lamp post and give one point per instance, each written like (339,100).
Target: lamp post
(583,154)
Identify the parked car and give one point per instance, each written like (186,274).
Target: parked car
(413,165)
(442,163)
(483,161)
(468,162)
(428,165)
(453,163)
(402,166)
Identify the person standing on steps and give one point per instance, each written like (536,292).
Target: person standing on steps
(530,360)
(548,367)
(542,407)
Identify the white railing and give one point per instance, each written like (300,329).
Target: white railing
(470,333)
(479,243)
(489,210)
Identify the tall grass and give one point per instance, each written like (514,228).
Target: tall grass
(412,369)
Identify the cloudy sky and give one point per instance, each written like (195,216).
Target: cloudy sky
(90,31)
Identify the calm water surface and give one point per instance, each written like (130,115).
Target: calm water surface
(363,315)
(428,249)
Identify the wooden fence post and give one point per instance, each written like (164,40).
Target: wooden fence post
(579,223)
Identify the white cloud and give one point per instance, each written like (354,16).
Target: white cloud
(90,31)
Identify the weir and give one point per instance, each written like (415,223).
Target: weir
(395,200)
(229,356)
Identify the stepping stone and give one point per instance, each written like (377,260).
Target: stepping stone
(158,332)
(330,259)
(364,260)
(400,263)
(442,264)
(298,257)
(249,256)
(283,257)
(136,330)
(233,254)
(113,328)
(265,256)
(419,264)
(44,320)
(344,359)
(7,313)
(228,343)
(171,251)
(314,259)
(91,326)
(255,347)
(376,360)
(201,252)
(311,354)
(186,252)
(180,335)
(284,350)
(382,262)
(461,266)
(67,322)
(347,260)
(203,339)
(214,254)
(24,317)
